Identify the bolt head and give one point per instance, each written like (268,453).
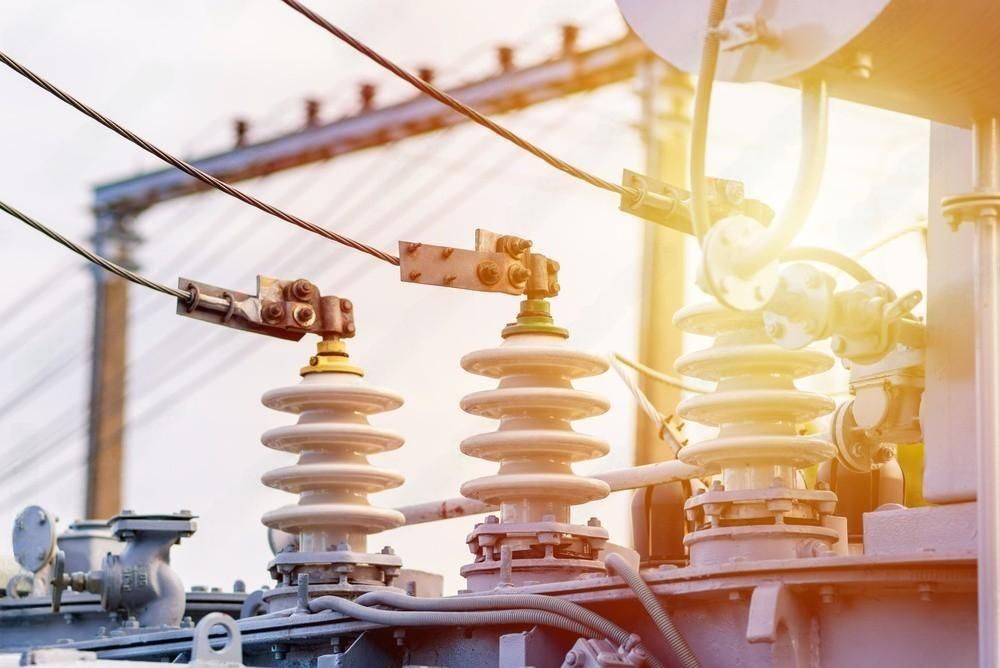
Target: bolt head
(273,312)
(346,306)
(304,316)
(303,290)
(594,522)
(488,272)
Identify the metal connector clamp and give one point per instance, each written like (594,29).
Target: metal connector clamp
(668,205)
(499,263)
(282,309)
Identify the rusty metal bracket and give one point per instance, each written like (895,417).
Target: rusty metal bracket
(281,308)
(668,205)
(499,263)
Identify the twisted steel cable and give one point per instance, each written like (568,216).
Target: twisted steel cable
(462,108)
(105,264)
(190,169)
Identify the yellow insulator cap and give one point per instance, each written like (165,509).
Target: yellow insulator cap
(331,357)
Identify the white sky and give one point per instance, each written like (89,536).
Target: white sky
(177,73)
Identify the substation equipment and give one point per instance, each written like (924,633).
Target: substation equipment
(798,548)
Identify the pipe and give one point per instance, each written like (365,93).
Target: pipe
(425,618)
(622,479)
(700,217)
(779,234)
(656,611)
(501,600)
(844,263)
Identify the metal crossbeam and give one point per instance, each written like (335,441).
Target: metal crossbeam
(508,91)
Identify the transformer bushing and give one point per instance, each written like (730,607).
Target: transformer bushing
(759,508)
(534,538)
(333,518)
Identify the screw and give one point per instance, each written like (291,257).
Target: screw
(594,522)
(304,315)
(446,252)
(411,248)
(273,312)
(570,659)
(303,290)
(346,306)
(349,328)
(450,278)
(492,519)
(414,275)
(387,550)
(488,272)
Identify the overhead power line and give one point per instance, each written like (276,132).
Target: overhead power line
(462,108)
(190,169)
(96,259)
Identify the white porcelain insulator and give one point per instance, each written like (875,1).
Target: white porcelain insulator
(332,475)
(756,404)
(535,444)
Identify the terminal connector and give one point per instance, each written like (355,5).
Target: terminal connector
(499,263)
(281,308)
(670,206)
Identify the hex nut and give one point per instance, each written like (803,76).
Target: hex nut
(488,272)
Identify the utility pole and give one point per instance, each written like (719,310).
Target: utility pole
(666,95)
(113,239)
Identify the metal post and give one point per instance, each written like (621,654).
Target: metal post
(107,388)
(986,166)
(666,96)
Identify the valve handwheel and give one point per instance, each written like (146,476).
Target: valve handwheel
(60,582)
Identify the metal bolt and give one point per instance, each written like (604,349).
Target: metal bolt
(349,328)
(304,315)
(450,278)
(518,274)
(346,306)
(822,486)
(446,252)
(570,659)
(488,272)
(303,290)
(594,522)
(411,248)
(388,550)
(273,312)
(414,275)
(717,486)
(492,519)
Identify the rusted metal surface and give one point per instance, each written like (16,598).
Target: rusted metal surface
(283,309)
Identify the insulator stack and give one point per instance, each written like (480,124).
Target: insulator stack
(534,539)
(333,518)
(759,508)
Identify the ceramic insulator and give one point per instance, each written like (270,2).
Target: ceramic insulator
(535,444)
(756,404)
(332,476)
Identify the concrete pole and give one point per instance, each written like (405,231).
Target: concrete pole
(666,96)
(107,387)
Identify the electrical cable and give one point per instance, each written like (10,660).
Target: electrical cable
(407,618)
(105,264)
(501,600)
(190,169)
(700,216)
(830,257)
(659,376)
(889,238)
(462,108)
(616,564)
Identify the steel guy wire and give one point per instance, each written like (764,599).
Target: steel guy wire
(462,108)
(190,169)
(202,380)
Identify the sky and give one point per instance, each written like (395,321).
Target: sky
(179,73)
